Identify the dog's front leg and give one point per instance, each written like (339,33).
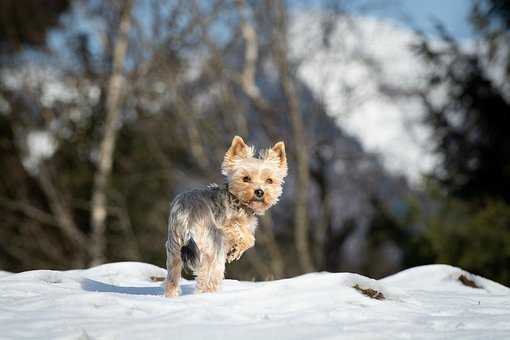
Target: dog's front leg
(240,241)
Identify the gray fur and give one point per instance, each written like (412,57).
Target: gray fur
(194,208)
(198,215)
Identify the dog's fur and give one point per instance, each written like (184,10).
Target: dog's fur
(209,226)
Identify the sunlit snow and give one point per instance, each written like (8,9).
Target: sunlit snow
(120,301)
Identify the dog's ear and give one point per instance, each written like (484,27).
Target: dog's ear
(238,150)
(279,151)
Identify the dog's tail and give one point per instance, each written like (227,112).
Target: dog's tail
(190,255)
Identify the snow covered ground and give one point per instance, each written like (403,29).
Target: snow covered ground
(119,301)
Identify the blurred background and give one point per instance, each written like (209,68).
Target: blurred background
(396,117)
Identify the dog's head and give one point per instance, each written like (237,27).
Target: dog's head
(256,181)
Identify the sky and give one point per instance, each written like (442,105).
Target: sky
(416,14)
(423,14)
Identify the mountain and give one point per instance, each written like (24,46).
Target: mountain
(349,71)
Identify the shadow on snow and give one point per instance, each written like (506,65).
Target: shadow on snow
(97,286)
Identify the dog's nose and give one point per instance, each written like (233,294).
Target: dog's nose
(259,193)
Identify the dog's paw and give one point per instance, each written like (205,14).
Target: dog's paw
(234,254)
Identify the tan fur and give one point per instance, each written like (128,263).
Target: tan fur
(238,163)
(239,236)
(172,286)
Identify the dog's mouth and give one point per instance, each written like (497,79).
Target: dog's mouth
(258,204)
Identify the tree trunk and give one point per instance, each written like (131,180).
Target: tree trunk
(280,47)
(250,88)
(107,148)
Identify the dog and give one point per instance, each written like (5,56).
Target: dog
(208,227)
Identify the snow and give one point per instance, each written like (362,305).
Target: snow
(119,301)
(364,53)
(41,145)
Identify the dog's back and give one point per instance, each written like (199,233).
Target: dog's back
(193,224)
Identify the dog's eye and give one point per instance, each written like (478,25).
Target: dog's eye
(269,181)
(246,179)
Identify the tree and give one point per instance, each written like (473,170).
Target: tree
(113,106)
(491,19)
(281,53)
(469,129)
(468,225)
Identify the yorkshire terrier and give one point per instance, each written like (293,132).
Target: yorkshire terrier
(210,226)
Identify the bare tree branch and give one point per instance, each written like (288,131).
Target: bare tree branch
(28,210)
(187,116)
(280,49)
(63,214)
(107,149)
(247,78)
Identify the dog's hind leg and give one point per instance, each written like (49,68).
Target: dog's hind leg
(211,269)
(210,274)
(174,267)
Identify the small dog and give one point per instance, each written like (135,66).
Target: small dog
(209,226)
